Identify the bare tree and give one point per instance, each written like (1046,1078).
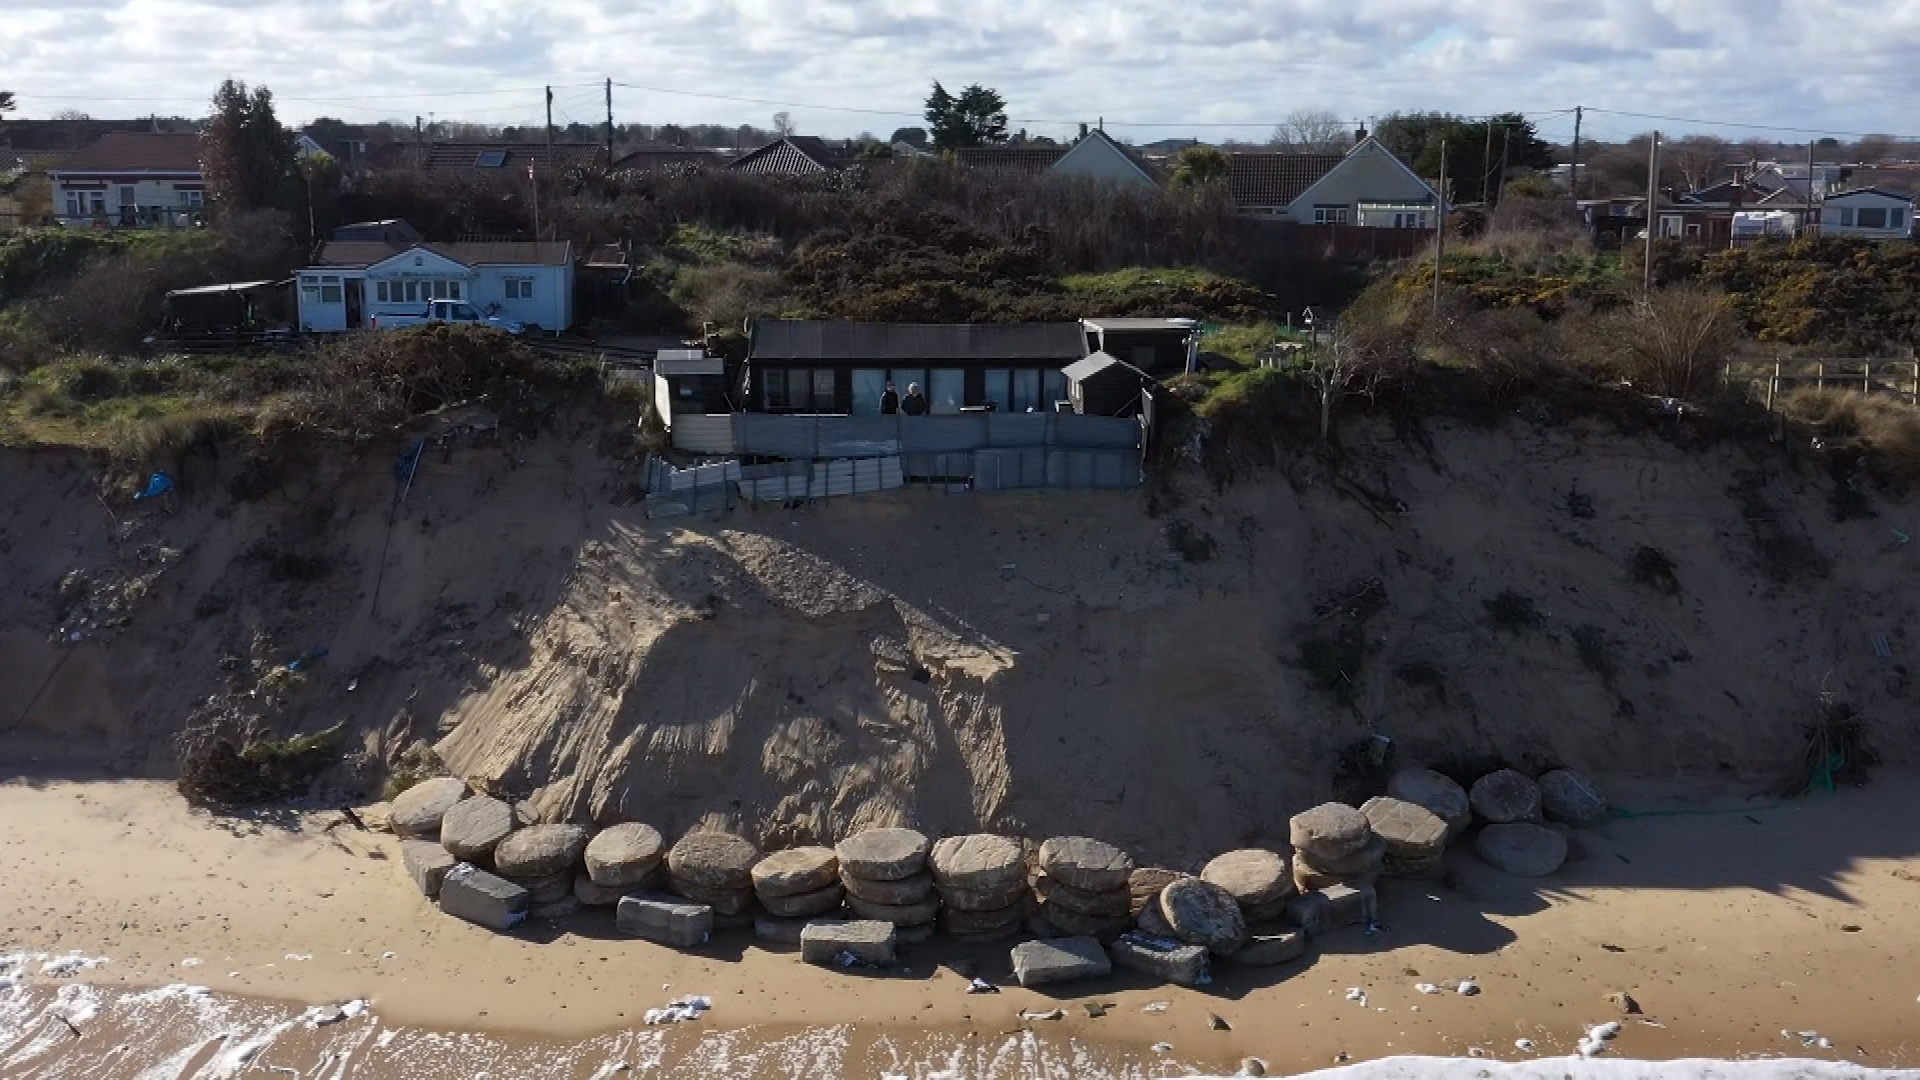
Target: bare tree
(1352,361)
(1673,342)
(1312,131)
(783,124)
(1701,159)
(71,114)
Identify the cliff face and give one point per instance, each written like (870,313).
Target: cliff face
(1036,662)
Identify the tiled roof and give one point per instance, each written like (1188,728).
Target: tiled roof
(138,151)
(1275,179)
(795,155)
(499,253)
(512,157)
(1026,158)
(650,158)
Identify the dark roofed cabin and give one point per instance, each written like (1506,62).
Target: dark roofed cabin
(804,366)
(1159,347)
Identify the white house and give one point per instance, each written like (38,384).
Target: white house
(352,281)
(1368,186)
(1869,213)
(1098,157)
(131,178)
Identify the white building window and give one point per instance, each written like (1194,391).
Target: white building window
(1846,217)
(519,288)
(1896,218)
(1873,217)
(1329,215)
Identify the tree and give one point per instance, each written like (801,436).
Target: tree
(71,115)
(978,117)
(1311,131)
(1476,148)
(248,159)
(1673,341)
(913,136)
(1347,364)
(1199,165)
(6,106)
(1701,159)
(782,124)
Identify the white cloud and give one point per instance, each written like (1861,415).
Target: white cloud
(1173,65)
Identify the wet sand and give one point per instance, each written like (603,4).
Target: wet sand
(1726,926)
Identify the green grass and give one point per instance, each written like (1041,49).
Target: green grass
(1245,391)
(134,411)
(1142,277)
(1241,342)
(34,257)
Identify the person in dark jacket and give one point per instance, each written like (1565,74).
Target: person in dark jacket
(915,403)
(889,401)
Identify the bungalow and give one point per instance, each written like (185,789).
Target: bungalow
(1369,187)
(1868,213)
(1094,156)
(129,178)
(352,281)
(805,366)
(1154,346)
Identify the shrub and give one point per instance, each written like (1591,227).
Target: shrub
(1889,429)
(249,767)
(1654,568)
(1674,342)
(1513,612)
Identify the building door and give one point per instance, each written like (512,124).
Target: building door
(356,303)
(129,209)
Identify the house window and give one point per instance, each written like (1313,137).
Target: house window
(1693,232)
(1329,215)
(1846,217)
(773,382)
(519,288)
(330,294)
(1896,218)
(1872,217)
(995,390)
(1026,391)
(193,198)
(868,385)
(76,204)
(380,292)
(99,201)
(453,290)
(823,390)
(946,390)
(1670,226)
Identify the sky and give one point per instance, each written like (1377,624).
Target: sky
(1152,69)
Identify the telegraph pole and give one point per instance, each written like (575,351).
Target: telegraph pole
(609,123)
(536,186)
(1486,160)
(1440,228)
(1573,173)
(1653,199)
(1806,218)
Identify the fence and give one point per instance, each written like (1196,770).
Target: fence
(1767,380)
(831,456)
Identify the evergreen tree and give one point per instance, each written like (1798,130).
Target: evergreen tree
(249,160)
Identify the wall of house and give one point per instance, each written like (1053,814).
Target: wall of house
(551,305)
(1093,159)
(1840,217)
(321,298)
(173,197)
(1369,174)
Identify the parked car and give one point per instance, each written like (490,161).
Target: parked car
(447,311)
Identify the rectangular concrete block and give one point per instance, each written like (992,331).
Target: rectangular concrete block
(664,920)
(471,893)
(427,864)
(868,941)
(1331,908)
(1267,950)
(1174,961)
(1059,960)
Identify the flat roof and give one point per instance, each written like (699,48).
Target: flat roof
(804,339)
(238,286)
(1140,324)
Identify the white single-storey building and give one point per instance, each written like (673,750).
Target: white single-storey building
(132,179)
(1868,213)
(352,281)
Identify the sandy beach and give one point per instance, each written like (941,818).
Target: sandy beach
(1727,920)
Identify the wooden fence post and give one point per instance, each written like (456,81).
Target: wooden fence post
(1866,377)
(1773,385)
(1820,374)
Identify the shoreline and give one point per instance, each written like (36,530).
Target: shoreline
(1726,927)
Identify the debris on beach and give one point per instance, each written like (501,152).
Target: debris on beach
(322,1015)
(1050,1014)
(1426,988)
(1596,1039)
(1156,1006)
(679,1010)
(1467,988)
(1357,995)
(978,985)
(1624,1001)
(1525,1046)
(1810,1039)
(1162,1047)
(1218,1022)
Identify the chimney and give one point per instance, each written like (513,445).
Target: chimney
(1083,131)
(1103,124)
(1359,135)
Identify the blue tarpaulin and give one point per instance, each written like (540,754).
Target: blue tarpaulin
(157,485)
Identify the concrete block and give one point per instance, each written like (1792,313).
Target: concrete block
(1160,957)
(663,920)
(1267,950)
(868,941)
(1059,960)
(782,931)
(427,864)
(472,894)
(1331,908)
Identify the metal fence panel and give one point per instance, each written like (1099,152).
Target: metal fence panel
(776,436)
(943,434)
(1095,432)
(1017,429)
(858,436)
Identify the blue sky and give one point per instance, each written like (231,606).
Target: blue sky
(1152,68)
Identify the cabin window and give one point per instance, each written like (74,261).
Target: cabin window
(946,390)
(519,288)
(1896,218)
(996,389)
(1329,215)
(330,294)
(1872,217)
(868,385)
(1056,389)
(1846,216)
(1026,391)
(823,390)
(439,290)
(453,291)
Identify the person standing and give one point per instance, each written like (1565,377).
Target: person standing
(889,401)
(915,403)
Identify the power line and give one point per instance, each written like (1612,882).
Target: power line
(1751,127)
